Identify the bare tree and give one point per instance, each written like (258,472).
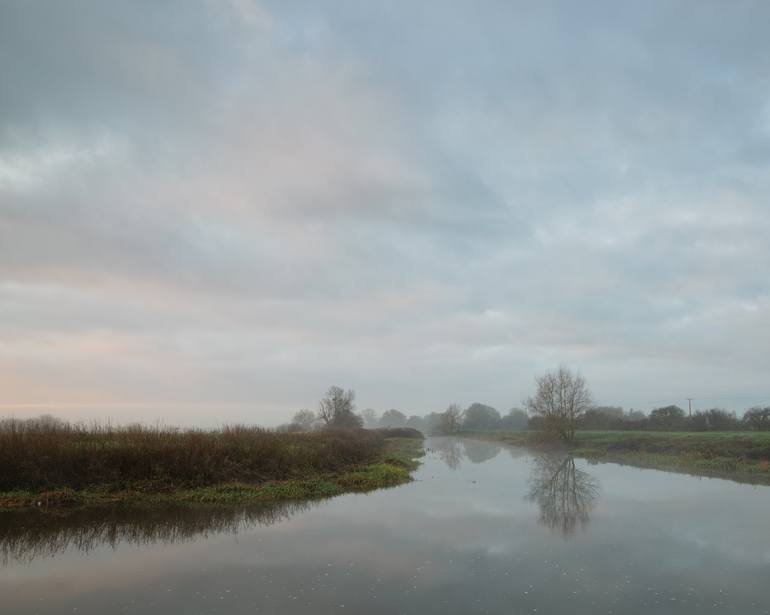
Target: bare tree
(305,419)
(450,419)
(562,397)
(338,410)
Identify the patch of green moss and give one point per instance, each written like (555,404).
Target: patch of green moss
(374,476)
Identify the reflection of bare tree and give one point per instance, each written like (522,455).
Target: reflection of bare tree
(564,494)
(449,450)
(25,536)
(479,452)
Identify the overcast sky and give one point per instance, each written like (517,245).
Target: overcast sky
(212,211)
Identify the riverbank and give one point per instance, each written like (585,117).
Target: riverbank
(739,456)
(219,467)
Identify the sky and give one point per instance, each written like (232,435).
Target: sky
(211,211)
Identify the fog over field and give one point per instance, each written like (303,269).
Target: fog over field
(212,211)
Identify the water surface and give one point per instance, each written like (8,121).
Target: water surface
(483,529)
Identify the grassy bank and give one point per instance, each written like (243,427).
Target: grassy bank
(58,465)
(741,456)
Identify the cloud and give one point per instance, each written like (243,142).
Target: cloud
(242,203)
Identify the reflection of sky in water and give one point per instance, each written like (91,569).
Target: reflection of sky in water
(463,540)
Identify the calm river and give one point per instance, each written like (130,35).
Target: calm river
(483,529)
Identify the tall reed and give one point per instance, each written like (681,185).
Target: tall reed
(49,454)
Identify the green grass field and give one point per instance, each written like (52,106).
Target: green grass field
(740,456)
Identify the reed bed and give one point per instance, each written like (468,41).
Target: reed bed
(39,455)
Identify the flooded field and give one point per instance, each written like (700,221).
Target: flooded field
(483,529)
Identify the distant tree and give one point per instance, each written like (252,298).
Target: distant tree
(602,417)
(306,420)
(722,420)
(370,418)
(43,422)
(757,419)
(715,419)
(393,418)
(480,417)
(698,421)
(593,419)
(416,422)
(611,412)
(561,399)
(450,420)
(431,422)
(516,419)
(337,409)
(667,417)
(635,415)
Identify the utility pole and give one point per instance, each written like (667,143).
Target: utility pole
(689,405)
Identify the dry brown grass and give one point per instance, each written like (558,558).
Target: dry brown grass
(51,455)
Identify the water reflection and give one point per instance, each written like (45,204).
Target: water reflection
(564,494)
(25,536)
(449,450)
(452,451)
(479,452)
(454,542)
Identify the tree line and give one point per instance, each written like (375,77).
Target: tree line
(337,410)
(561,405)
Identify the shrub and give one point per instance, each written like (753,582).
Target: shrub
(49,456)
